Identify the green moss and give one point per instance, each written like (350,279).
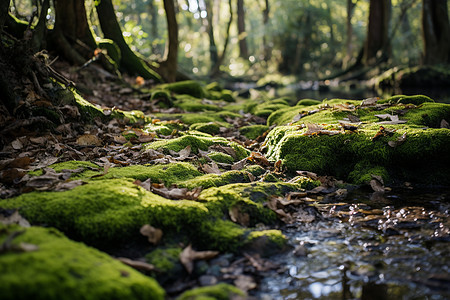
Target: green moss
(221,291)
(265,109)
(163,128)
(340,154)
(402,99)
(61,268)
(204,117)
(90,168)
(210,127)
(216,180)
(221,157)
(134,116)
(308,102)
(164,259)
(189,87)
(107,210)
(266,242)
(253,131)
(167,174)
(429,114)
(214,86)
(163,97)
(191,104)
(363,171)
(196,143)
(112,49)
(87,110)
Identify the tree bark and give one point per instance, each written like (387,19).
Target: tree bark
(436,32)
(349,34)
(216,68)
(168,68)
(377,39)
(267,51)
(213,53)
(129,62)
(243,49)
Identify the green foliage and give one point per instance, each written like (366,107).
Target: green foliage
(221,291)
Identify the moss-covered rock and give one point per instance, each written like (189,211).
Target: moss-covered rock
(191,104)
(188,87)
(167,174)
(253,131)
(210,127)
(162,97)
(221,157)
(166,260)
(62,269)
(370,149)
(204,117)
(221,291)
(196,143)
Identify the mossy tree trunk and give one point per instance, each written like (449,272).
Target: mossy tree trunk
(168,68)
(377,40)
(72,35)
(436,32)
(243,49)
(129,62)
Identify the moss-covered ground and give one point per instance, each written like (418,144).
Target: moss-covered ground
(204,176)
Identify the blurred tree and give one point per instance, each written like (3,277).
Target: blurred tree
(213,53)
(4,7)
(129,62)
(436,32)
(242,34)
(376,47)
(349,33)
(267,48)
(168,67)
(72,35)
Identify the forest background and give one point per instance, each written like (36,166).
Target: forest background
(252,39)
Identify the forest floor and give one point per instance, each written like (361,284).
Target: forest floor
(196,187)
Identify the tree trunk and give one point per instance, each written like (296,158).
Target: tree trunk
(377,39)
(72,35)
(213,53)
(129,62)
(349,34)
(154,21)
(436,32)
(168,68)
(216,68)
(242,34)
(267,51)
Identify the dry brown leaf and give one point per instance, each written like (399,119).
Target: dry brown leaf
(153,234)
(245,283)
(169,193)
(88,140)
(19,162)
(445,124)
(259,159)
(193,194)
(377,183)
(239,165)
(211,168)
(189,255)
(224,149)
(237,216)
(393,119)
(14,218)
(183,154)
(120,139)
(17,144)
(136,264)
(398,142)
(68,185)
(370,101)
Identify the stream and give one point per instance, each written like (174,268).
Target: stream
(368,246)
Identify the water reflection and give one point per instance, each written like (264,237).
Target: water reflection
(394,248)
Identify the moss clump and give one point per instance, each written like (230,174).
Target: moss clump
(196,143)
(192,104)
(210,127)
(204,117)
(308,102)
(163,98)
(167,174)
(61,268)
(107,210)
(166,262)
(221,157)
(132,117)
(221,291)
(164,127)
(89,168)
(402,99)
(112,49)
(340,154)
(189,87)
(216,180)
(253,131)
(266,242)
(265,109)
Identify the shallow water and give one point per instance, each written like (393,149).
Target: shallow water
(391,246)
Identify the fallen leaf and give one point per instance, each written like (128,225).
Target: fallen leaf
(189,255)
(88,140)
(259,159)
(237,216)
(211,168)
(169,193)
(393,119)
(136,264)
(153,234)
(68,185)
(239,165)
(7,218)
(353,118)
(370,101)
(377,183)
(245,283)
(398,142)
(227,150)
(183,154)
(445,124)
(17,144)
